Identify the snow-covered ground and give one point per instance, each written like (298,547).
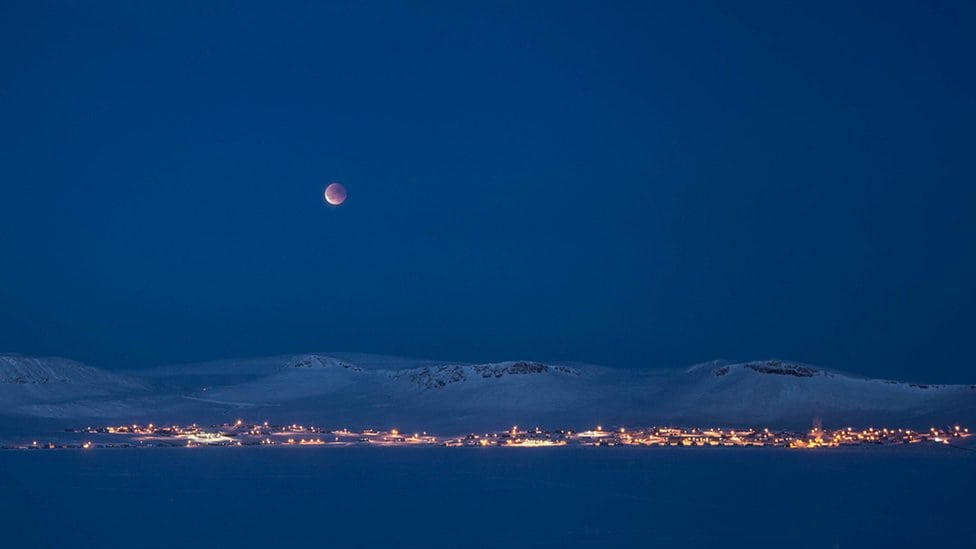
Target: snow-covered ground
(442,497)
(358,390)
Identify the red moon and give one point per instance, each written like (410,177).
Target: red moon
(335,194)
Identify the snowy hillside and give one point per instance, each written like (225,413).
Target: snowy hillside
(52,377)
(360,390)
(771,390)
(32,385)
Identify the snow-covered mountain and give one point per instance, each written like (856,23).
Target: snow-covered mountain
(773,389)
(361,390)
(41,386)
(53,378)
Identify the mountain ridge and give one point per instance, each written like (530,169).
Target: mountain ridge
(378,388)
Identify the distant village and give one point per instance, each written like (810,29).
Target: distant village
(240,433)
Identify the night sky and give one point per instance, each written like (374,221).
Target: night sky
(629,185)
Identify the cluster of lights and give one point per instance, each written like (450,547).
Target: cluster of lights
(240,433)
(673,436)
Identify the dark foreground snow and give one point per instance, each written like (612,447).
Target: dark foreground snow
(333,497)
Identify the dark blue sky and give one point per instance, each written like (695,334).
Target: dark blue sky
(630,184)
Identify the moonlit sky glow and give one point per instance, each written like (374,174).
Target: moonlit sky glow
(631,184)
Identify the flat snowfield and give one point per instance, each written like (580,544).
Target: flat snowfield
(456,497)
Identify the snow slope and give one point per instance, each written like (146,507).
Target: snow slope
(45,386)
(772,390)
(33,379)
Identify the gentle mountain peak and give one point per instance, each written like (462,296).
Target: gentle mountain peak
(32,371)
(783,368)
(772,367)
(317,362)
(435,377)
